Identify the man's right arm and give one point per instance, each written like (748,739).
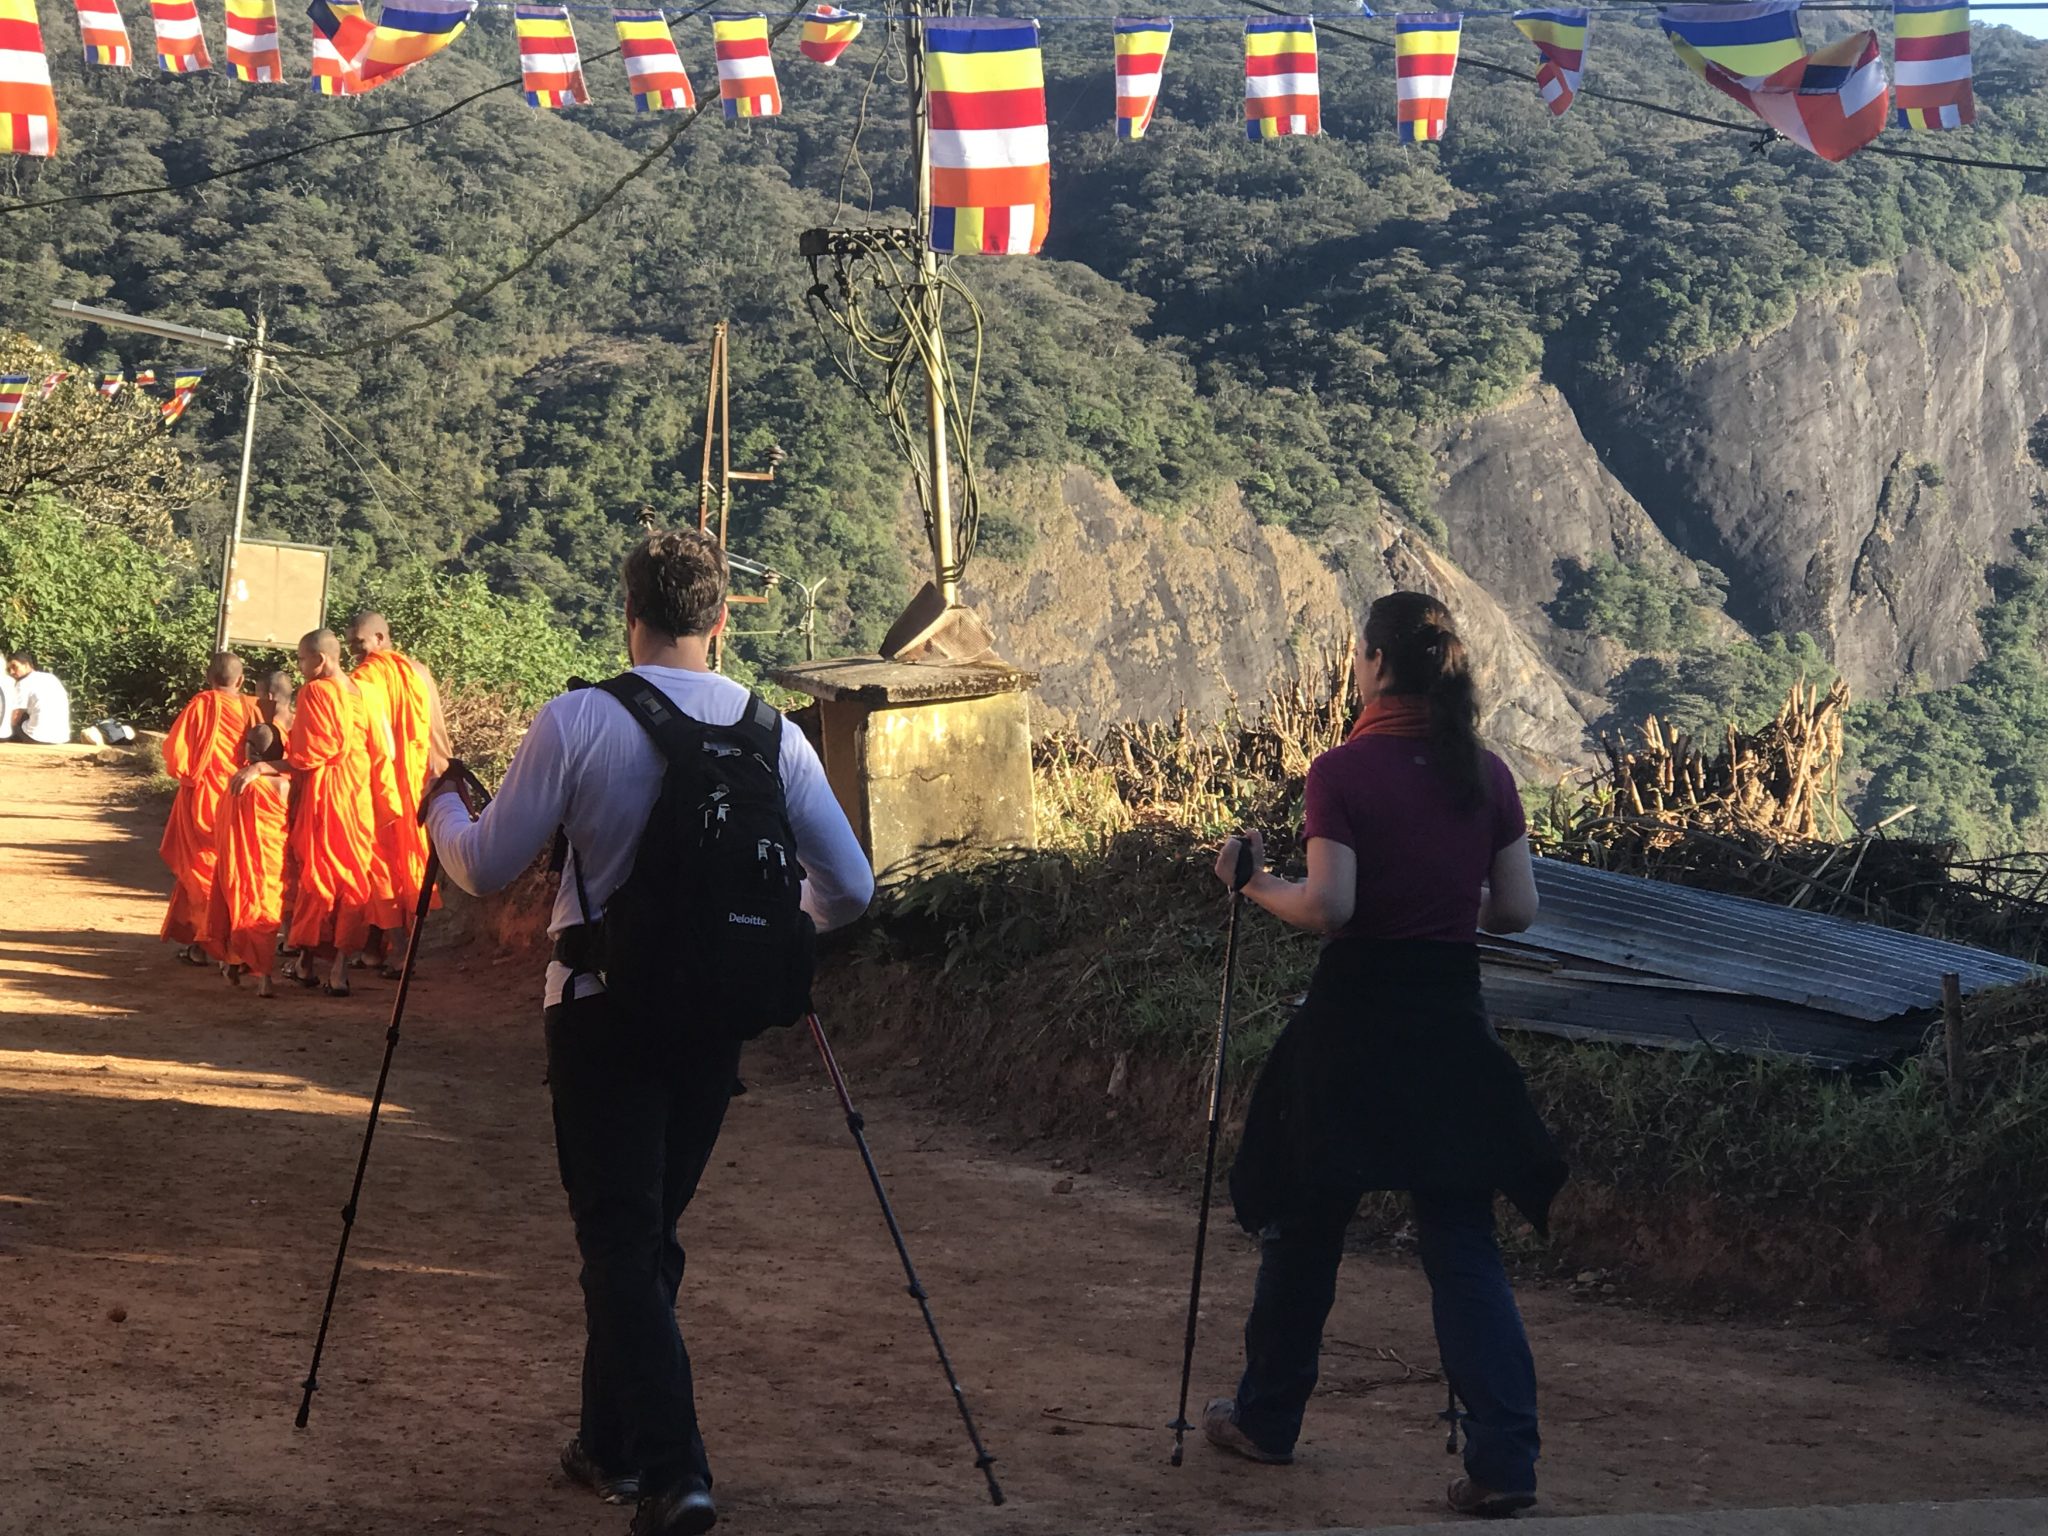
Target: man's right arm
(489,853)
(840,881)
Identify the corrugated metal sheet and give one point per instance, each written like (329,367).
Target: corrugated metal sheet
(1804,958)
(1577,1005)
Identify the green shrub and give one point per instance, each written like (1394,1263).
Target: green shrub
(1644,607)
(118,623)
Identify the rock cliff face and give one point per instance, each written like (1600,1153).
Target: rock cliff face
(1125,615)
(1857,472)
(1854,474)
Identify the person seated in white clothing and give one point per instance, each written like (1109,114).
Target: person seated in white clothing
(38,708)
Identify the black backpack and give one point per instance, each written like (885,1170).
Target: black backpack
(709,931)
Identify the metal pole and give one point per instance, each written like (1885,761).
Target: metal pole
(227,569)
(944,556)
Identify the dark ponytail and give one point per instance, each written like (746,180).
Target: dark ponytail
(1425,658)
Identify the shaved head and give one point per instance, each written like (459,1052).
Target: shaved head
(319,655)
(368,633)
(224,671)
(275,701)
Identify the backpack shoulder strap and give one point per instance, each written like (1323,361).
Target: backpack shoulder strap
(675,733)
(760,731)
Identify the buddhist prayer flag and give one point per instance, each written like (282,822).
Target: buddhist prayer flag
(827,31)
(991,162)
(1282,89)
(180,43)
(405,33)
(1931,66)
(1140,62)
(1425,59)
(50,384)
(1832,101)
(746,72)
(333,75)
(28,107)
(252,41)
(13,395)
(654,70)
(104,33)
(146,377)
(183,383)
(1560,36)
(1748,41)
(110,385)
(550,69)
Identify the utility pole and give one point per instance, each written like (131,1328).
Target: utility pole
(227,564)
(115,319)
(944,554)
(718,429)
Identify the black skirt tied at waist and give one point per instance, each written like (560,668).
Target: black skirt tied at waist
(1389,1077)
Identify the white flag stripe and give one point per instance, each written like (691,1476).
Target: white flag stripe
(1862,88)
(1426,88)
(975,149)
(20,67)
(1932,71)
(1257,86)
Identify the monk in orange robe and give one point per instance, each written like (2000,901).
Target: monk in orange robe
(248,879)
(201,752)
(339,761)
(401,692)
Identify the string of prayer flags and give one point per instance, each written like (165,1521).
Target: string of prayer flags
(1425,59)
(991,162)
(13,395)
(1282,85)
(183,384)
(550,69)
(1140,62)
(28,107)
(332,75)
(1748,41)
(1560,37)
(367,55)
(253,52)
(1931,66)
(1832,101)
(110,384)
(654,70)
(104,33)
(746,70)
(180,41)
(826,34)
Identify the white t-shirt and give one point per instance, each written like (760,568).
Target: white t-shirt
(7,707)
(587,765)
(48,706)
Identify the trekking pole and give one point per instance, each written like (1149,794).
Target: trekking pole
(858,1125)
(1240,878)
(472,787)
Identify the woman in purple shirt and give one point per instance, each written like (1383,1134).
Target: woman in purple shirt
(1389,1077)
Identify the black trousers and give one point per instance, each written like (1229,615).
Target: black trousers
(637,1113)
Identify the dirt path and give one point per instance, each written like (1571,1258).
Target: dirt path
(178,1151)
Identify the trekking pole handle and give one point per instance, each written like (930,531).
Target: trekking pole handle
(1247,864)
(461,778)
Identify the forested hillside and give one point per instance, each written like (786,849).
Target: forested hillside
(1302,319)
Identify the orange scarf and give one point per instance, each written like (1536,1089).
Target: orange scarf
(1393,714)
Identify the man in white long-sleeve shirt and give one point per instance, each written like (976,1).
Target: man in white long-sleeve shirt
(637,1107)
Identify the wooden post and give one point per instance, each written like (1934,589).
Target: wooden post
(1952,1015)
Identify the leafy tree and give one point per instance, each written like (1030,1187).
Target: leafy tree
(1644,607)
(1702,689)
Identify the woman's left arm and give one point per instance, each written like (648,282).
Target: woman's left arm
(1323,903)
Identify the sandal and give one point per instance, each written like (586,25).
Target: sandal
(334,991)
(192,954)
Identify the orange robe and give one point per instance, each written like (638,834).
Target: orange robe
(201,752)
(341,768)
(397,694)
(248,879)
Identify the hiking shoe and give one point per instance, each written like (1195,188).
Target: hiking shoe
(582,1468)
(684,1510)
(1219,1427)
(1468,1498)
